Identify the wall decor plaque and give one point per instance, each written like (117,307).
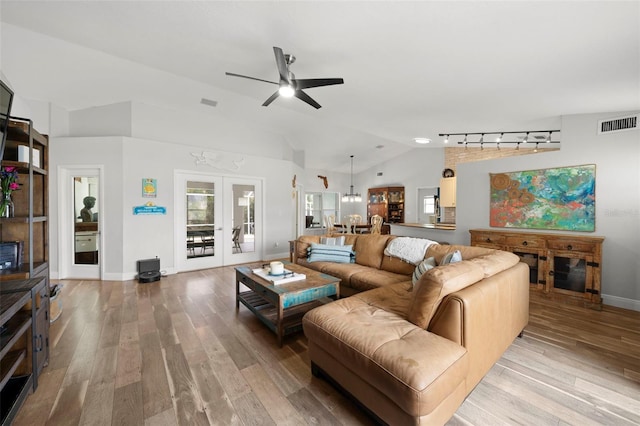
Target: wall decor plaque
(561,198)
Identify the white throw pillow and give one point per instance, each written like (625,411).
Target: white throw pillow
(454,257)
(332,241)
(423,267)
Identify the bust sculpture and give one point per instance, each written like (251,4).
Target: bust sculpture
(85,214)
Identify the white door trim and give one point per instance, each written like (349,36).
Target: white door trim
(66,221)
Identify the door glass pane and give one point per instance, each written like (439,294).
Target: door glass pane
(530,259)
(243,220)
(86,216)
(200,219)
(320,205)
(569,273)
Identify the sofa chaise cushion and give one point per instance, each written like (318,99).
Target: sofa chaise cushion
(417,369)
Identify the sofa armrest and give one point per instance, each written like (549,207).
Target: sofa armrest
(485,318)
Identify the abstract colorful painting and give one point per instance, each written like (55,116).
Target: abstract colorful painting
(561,198)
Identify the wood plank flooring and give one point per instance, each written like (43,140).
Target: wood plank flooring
(175,352)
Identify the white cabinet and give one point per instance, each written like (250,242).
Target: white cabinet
(448,192)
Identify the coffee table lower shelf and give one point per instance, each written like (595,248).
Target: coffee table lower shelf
(268,314)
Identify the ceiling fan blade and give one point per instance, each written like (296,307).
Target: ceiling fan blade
(271,98)
(306,98)
(282,64)
(250,78)
(307,83)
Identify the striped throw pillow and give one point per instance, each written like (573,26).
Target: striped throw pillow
(329,253)
(423,267)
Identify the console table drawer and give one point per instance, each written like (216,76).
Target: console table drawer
(571,245)
(525,241)
(487,238)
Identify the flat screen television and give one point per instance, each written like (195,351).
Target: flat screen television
(6,98)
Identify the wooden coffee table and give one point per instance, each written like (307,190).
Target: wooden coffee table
(281,307)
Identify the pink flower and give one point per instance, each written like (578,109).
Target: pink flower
(13,186)
(9,169)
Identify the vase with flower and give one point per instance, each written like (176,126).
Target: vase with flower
(8,184)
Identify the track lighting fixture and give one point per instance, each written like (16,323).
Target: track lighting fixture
(519,137)
(536,148)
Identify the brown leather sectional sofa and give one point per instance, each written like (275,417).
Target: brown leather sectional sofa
(410,355)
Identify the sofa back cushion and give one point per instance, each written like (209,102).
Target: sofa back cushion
(495,262)
(439,251)
(435,284)
(369,249)
(303,244)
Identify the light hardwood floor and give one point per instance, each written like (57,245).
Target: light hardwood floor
(176,352)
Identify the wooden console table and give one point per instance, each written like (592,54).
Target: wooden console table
(565,265)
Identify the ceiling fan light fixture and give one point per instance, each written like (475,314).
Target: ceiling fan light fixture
(286,91)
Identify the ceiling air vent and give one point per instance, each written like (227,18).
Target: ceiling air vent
(619,124)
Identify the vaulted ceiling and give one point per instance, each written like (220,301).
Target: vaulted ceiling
(411,69)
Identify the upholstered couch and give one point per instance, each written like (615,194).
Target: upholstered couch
(410,354)
(371,268)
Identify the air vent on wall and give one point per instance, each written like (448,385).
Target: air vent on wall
(619,124)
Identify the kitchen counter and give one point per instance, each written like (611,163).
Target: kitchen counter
(441,232)
(440,226)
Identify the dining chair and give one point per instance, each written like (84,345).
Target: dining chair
(191,244)
(354,219)
(330,222)
(376,224)
(236,238)
(207,240)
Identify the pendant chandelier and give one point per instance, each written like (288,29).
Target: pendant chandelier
(351,197)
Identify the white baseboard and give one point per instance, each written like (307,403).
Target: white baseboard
(284,255)
(621,302)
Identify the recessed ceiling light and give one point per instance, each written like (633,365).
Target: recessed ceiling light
(422,140)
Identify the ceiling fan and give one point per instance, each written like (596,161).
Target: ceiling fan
(289,85)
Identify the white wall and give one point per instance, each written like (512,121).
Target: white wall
(126,162)
(617,160)
(105,151)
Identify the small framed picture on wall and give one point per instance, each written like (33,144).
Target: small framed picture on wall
(149,188)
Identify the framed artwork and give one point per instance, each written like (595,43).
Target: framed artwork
(560,198)
(149,188)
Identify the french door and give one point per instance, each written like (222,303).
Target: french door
(218,220)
